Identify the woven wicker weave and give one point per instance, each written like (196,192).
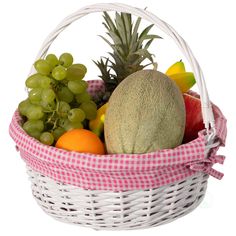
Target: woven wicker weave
(132,209)
(118,210)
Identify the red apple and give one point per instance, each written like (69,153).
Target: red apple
(194,120)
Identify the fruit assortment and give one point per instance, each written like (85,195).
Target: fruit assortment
(141,110)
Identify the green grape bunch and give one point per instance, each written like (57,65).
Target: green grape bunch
(57,99)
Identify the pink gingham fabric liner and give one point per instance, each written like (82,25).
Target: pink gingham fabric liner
(119,172)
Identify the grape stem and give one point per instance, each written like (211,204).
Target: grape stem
(49,111)
(53,114)
(55,123)
(50,118)
(57,105)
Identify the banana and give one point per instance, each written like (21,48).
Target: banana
(176,68)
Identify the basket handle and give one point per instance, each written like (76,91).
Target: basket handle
(207,112)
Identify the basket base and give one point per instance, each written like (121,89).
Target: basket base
(124,210)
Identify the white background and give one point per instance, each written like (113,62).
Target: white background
(208,27)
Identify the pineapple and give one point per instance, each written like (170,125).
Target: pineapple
(129,50)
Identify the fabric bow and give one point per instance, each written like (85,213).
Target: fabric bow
(206,165)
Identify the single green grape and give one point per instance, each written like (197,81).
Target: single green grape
(34,112)
(90,109)
(74,72)
(23,106)
(59,72)
(33,81)
(48,95)
(52,60)
(64,94)
(76,115)
(46,138)
(42,67)
(44,82)
(58,132)
(83,97)
(33,125)
(81,67)
(66,59)
(63,109)
(35,95)
(76,86)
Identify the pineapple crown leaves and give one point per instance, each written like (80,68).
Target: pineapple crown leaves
(126,40)
(105,73)
(130,48)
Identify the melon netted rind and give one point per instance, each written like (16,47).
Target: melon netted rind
(146,113)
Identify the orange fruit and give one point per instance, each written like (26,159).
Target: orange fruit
(81,140)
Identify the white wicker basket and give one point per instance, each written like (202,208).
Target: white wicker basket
(121,210)
(125,209)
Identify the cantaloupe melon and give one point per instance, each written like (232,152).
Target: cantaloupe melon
(145,113)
